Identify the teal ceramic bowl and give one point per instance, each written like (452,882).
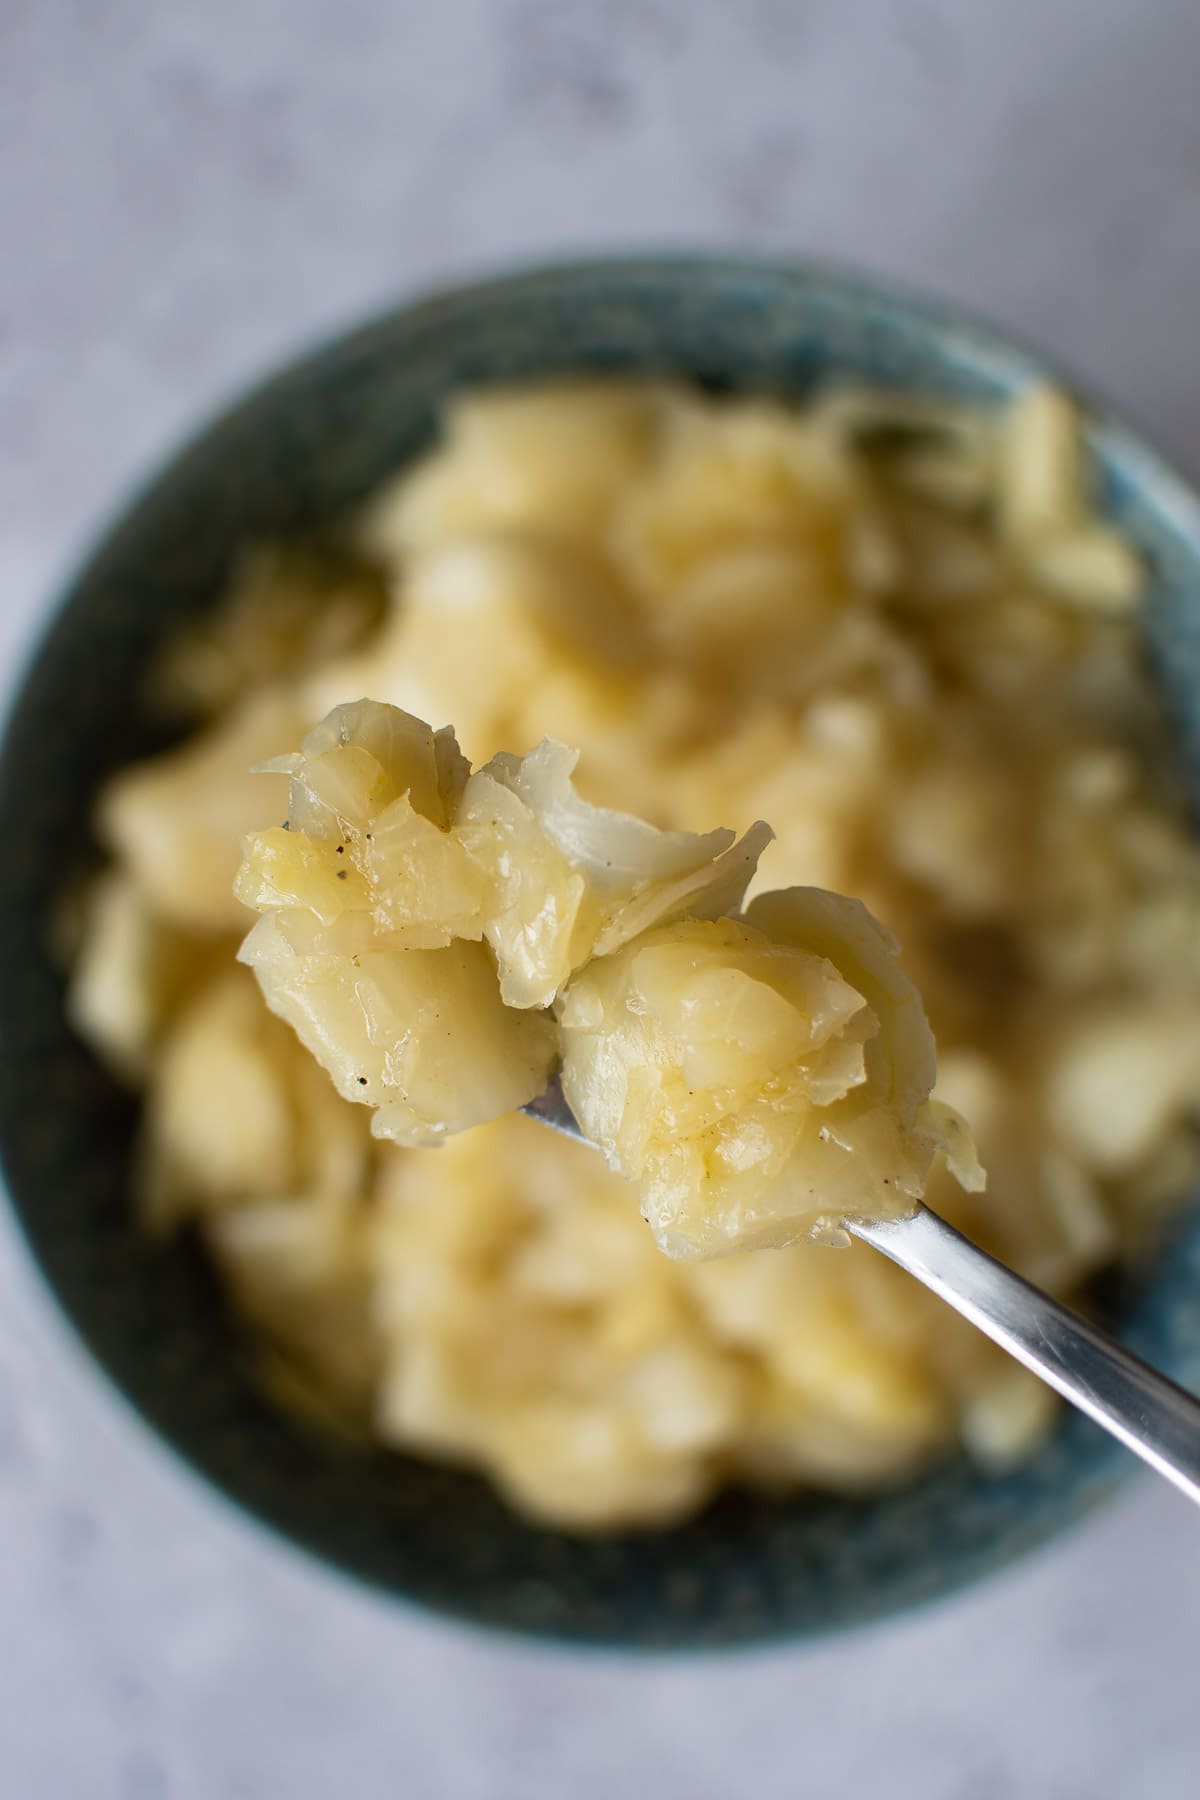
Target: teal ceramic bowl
(303,447)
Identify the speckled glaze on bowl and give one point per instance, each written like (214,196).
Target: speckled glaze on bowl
(303,447)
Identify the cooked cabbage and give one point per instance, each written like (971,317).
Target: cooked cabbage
(895,627)
(759,1080)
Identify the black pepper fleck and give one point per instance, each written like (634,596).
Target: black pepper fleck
(341,874)
(362,1081)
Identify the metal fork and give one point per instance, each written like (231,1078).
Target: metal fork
(1150,1414)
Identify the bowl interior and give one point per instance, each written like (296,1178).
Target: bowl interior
(299,450)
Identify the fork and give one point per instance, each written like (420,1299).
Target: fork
(1149,1413)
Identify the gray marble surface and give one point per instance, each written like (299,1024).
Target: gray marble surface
(187,191)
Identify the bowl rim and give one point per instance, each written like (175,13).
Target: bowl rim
(973,328)
(941,319)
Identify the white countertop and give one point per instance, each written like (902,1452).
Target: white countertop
(187,192)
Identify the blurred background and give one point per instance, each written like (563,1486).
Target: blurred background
(187,193)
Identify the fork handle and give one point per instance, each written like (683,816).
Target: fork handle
(1156,1419)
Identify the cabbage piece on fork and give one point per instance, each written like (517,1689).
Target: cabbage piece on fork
(442,940)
